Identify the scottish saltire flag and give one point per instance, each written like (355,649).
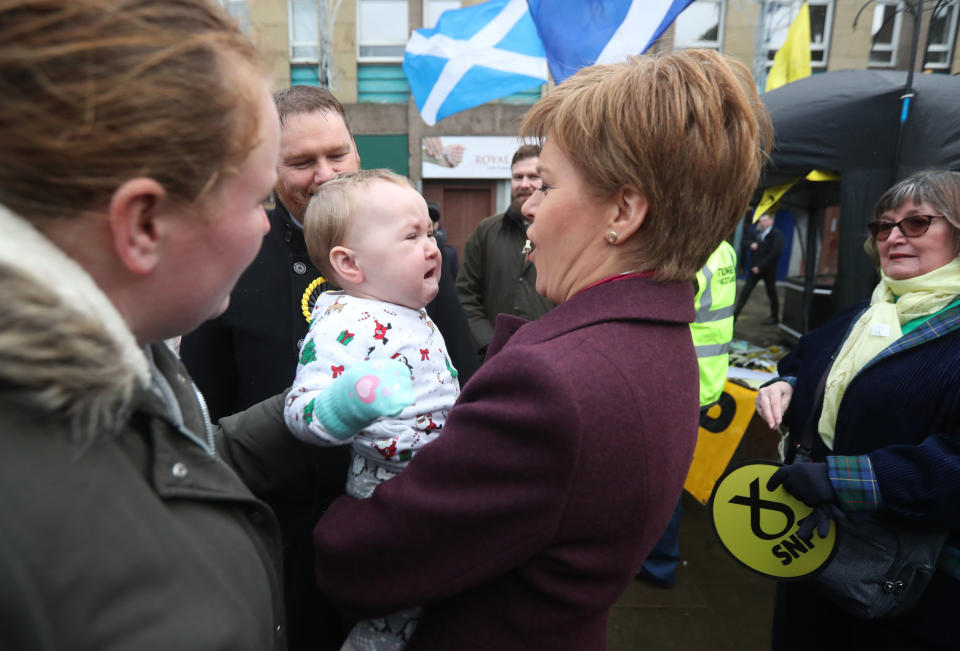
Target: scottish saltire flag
(472,56)
(579,33)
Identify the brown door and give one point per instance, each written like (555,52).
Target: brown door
(462,205)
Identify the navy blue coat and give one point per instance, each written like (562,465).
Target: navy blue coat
(903,410)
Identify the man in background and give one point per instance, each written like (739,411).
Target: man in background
(495,276)
(441,234)
(764,257)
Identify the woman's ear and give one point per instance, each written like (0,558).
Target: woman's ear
(631,210)
(345,265)
(134,212)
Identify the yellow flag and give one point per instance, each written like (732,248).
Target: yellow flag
(792,61)
(771,196)
(823,175)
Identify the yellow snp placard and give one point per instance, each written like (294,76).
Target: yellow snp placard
(759,527)
(721,429)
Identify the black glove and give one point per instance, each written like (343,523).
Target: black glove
(819,519)
(808,482)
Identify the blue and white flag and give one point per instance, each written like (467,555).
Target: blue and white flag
(474,55)
(581,33)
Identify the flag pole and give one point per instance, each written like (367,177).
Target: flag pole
(908,92)
(760,48)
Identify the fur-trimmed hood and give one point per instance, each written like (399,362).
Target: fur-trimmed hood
(64,348)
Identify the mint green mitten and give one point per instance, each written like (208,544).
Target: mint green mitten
(365,392)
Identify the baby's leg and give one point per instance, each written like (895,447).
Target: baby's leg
(390,633)
(365,475)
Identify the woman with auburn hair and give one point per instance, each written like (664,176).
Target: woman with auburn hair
(137,140)
(565,455)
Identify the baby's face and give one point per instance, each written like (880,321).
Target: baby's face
(393,240)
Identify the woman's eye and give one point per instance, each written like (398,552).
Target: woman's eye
(544,187)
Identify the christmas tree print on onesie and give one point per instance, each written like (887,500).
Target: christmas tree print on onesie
(309,353)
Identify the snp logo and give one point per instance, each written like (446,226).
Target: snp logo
(759,527)
(788,548)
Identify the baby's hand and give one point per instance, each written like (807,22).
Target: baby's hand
(383,387)
(365,392)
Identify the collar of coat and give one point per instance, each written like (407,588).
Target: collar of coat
(513,220)
(64,348)
(630,299)
(282,225)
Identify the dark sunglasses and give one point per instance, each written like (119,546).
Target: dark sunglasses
(912,226)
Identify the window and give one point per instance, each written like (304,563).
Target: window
(305,74)
(777,18)
(941,36)
(239,11)
(304,31)
(304,42)
(887,17)
(383,83)
(382,29)
(700,25)
(433,8)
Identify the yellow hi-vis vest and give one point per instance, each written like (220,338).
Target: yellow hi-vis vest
(712,328)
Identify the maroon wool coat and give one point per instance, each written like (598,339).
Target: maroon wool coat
(555,474)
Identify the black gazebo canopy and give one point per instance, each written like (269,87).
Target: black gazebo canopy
(854,122)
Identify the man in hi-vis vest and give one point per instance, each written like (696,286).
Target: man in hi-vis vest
(712,328)
(712,331)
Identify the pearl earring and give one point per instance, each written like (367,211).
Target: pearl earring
(612,237)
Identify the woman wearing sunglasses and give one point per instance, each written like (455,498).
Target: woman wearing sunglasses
(889,423)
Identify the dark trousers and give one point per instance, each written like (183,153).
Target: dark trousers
(663,559)
(770,281)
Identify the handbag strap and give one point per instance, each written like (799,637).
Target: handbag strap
(804,444)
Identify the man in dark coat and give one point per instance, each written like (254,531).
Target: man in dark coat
(765,253)
(250,352)
(495,276)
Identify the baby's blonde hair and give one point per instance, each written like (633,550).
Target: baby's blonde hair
(333,209)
